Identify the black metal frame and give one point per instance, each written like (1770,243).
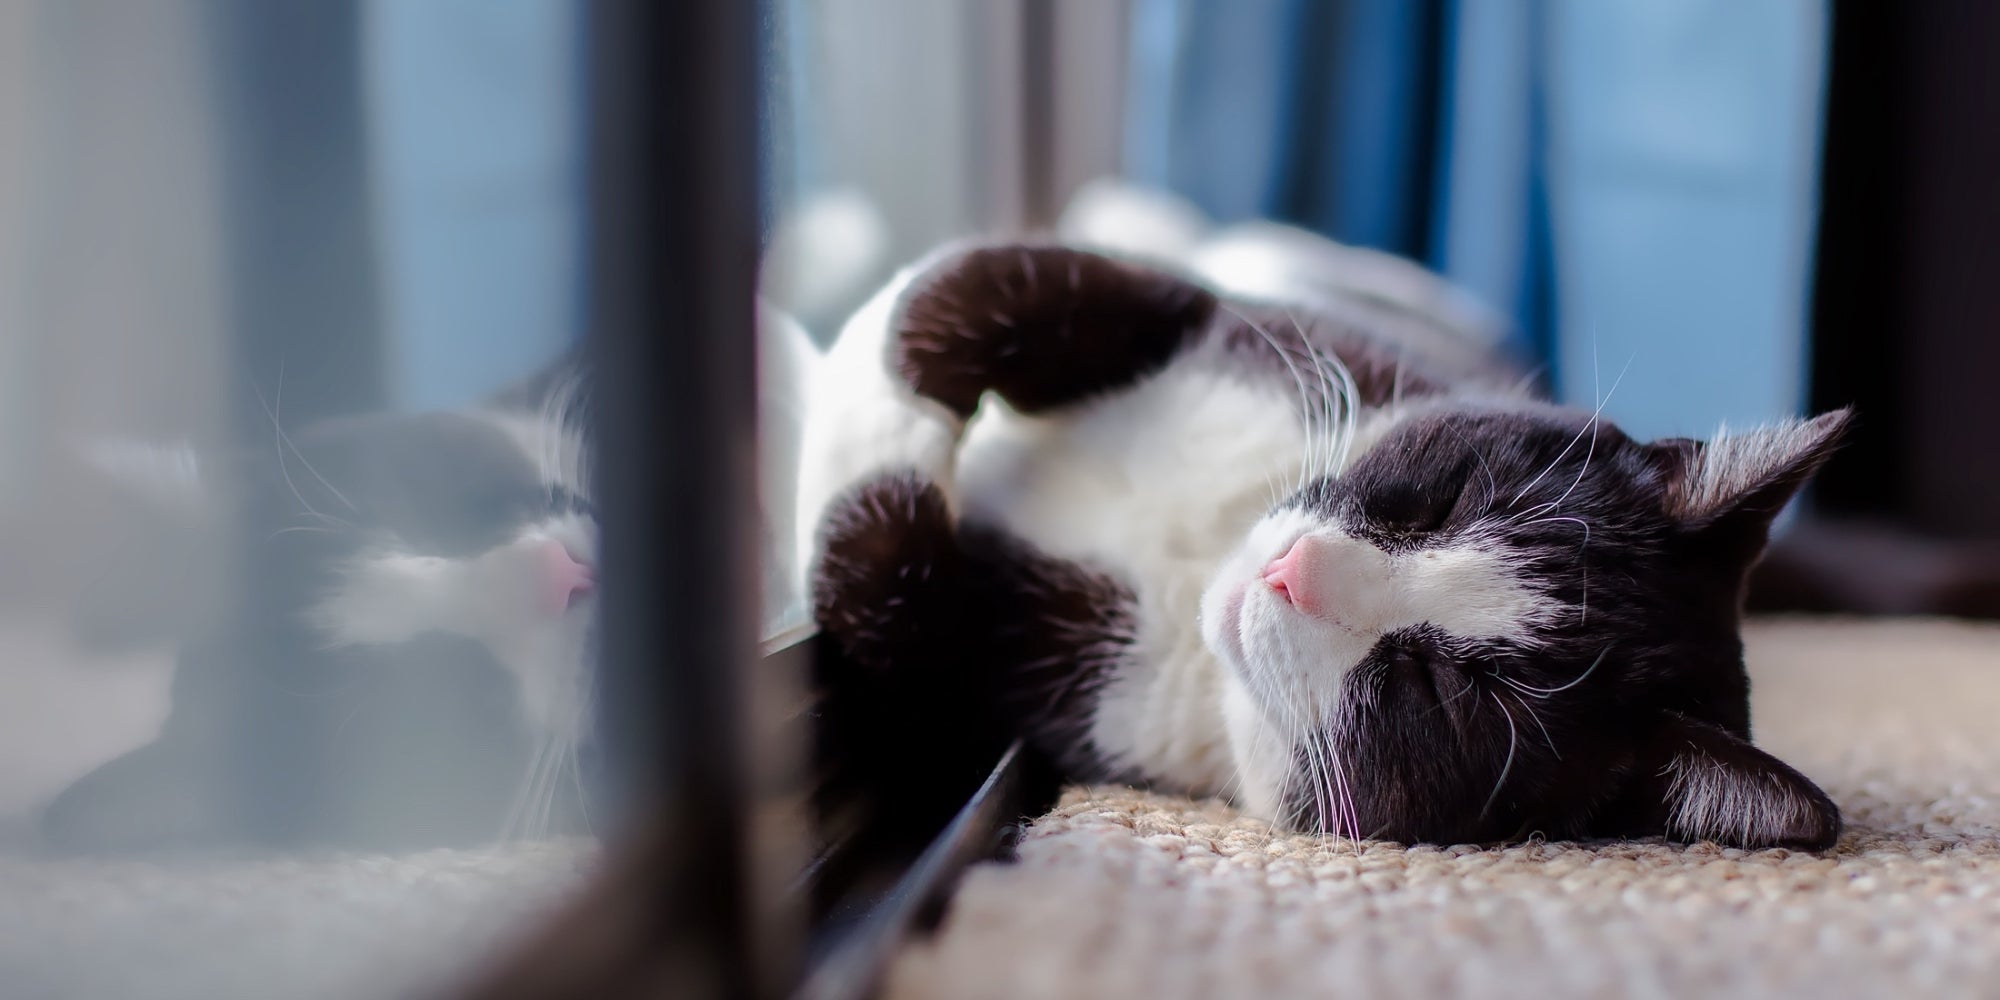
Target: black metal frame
(672,92)
(674,101)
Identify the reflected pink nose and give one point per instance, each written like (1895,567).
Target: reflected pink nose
(564,579)
(1291,575)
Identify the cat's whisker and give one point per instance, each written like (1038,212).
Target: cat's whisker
(1492,485)
(1297,379)
(515,824)
(1590,426)
(1344,421)
(1579,522)
(1239,778)
(1353,815)
(1316,782)
(278,445)
(1257,738)
(1513,739)
(1580,678)
(1326,774)
(274,409)
(1583,609)
(1535,511)
(1305,747)
(1512,683)
(1532,714)
(1470,683)
(300,528)
(1319,404)
(551,782)
(1350,394)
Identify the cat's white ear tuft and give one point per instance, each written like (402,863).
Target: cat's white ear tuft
(165,475)
(1718,787)
(1751,473)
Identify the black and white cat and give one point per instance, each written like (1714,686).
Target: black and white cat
(1359,581)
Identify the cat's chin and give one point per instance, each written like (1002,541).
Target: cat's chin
(1260,748)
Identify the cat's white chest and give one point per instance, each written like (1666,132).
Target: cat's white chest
(1153,486)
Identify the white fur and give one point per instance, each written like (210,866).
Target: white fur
(1733,463)
(387,597)
(1713,802)
(824,256)
(786,360)
(865,420)
(1153,486)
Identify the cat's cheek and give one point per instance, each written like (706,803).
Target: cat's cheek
(1222,622)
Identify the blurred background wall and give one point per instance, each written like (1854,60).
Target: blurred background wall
(113,305)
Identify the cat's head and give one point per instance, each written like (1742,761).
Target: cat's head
(1514,620)
(355,538)
(477,525)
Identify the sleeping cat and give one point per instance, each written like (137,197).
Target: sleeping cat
(1284,553)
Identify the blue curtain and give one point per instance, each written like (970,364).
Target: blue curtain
(1634,183)
(476,151)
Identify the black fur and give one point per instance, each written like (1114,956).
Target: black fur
(952,639)
(1041,327)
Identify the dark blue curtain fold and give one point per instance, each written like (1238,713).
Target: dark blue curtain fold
(1634,184)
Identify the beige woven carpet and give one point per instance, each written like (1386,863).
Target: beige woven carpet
(1123,894)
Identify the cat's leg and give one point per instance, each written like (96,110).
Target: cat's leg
(1040,326)
(898,667)
(949,636)
(876,460)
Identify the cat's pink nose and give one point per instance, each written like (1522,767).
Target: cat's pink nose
(564,579)
(1291,575)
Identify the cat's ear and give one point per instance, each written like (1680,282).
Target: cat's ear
(1694,781)
(1728,489)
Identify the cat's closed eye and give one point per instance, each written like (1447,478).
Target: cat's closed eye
(1407,509)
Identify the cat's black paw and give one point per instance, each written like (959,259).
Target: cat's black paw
(1041,326)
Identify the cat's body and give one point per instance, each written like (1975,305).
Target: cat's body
(1359,580)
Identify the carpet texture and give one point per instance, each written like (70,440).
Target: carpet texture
(307,927)
(1123,894)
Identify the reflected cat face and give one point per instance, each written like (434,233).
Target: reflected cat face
(400,650)
(477,525)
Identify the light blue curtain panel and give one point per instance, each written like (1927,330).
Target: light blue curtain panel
(1683,154)
(475,133)
(1635,183)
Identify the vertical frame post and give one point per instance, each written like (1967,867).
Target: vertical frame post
(673,99)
